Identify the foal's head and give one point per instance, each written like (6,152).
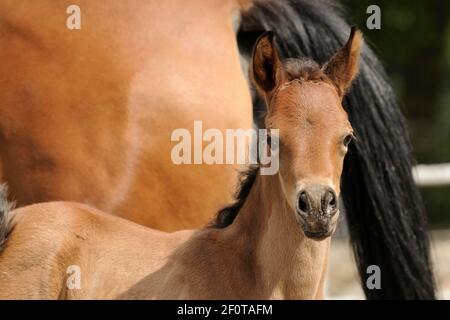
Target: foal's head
(304,103)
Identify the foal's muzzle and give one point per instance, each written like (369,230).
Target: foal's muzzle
(317,207)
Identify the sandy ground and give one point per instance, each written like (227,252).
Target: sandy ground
(343,282)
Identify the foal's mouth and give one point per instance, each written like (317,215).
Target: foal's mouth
(318,229)
(318,235)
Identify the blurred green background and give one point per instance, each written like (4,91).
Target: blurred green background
(414,45)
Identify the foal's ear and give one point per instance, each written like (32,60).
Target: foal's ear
(266,64)
(343,66)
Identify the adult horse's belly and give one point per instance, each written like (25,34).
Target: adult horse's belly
(87,115)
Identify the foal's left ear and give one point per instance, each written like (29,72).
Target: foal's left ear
(266,65)
(343,66)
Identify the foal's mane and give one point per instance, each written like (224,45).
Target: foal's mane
(302,69)
(226,215)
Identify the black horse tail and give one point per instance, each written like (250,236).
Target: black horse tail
(385,213)
(5,218)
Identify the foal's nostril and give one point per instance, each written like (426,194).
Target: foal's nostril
(329,202)
(303,203)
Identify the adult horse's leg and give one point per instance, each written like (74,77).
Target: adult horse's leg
(384,210)
(87,115)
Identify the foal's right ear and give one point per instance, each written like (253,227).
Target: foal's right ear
(266,64)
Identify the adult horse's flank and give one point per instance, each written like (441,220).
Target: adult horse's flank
(86,115)
(273,244)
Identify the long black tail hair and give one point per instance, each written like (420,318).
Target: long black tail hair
(385,214)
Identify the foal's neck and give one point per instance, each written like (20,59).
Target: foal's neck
(284,260)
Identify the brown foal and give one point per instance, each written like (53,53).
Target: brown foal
(271,243)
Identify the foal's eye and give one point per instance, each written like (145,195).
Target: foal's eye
(348,138)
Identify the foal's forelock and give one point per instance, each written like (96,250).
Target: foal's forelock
(303,70)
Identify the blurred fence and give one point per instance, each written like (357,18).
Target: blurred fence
(427,175)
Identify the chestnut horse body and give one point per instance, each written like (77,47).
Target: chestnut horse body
(87,115)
